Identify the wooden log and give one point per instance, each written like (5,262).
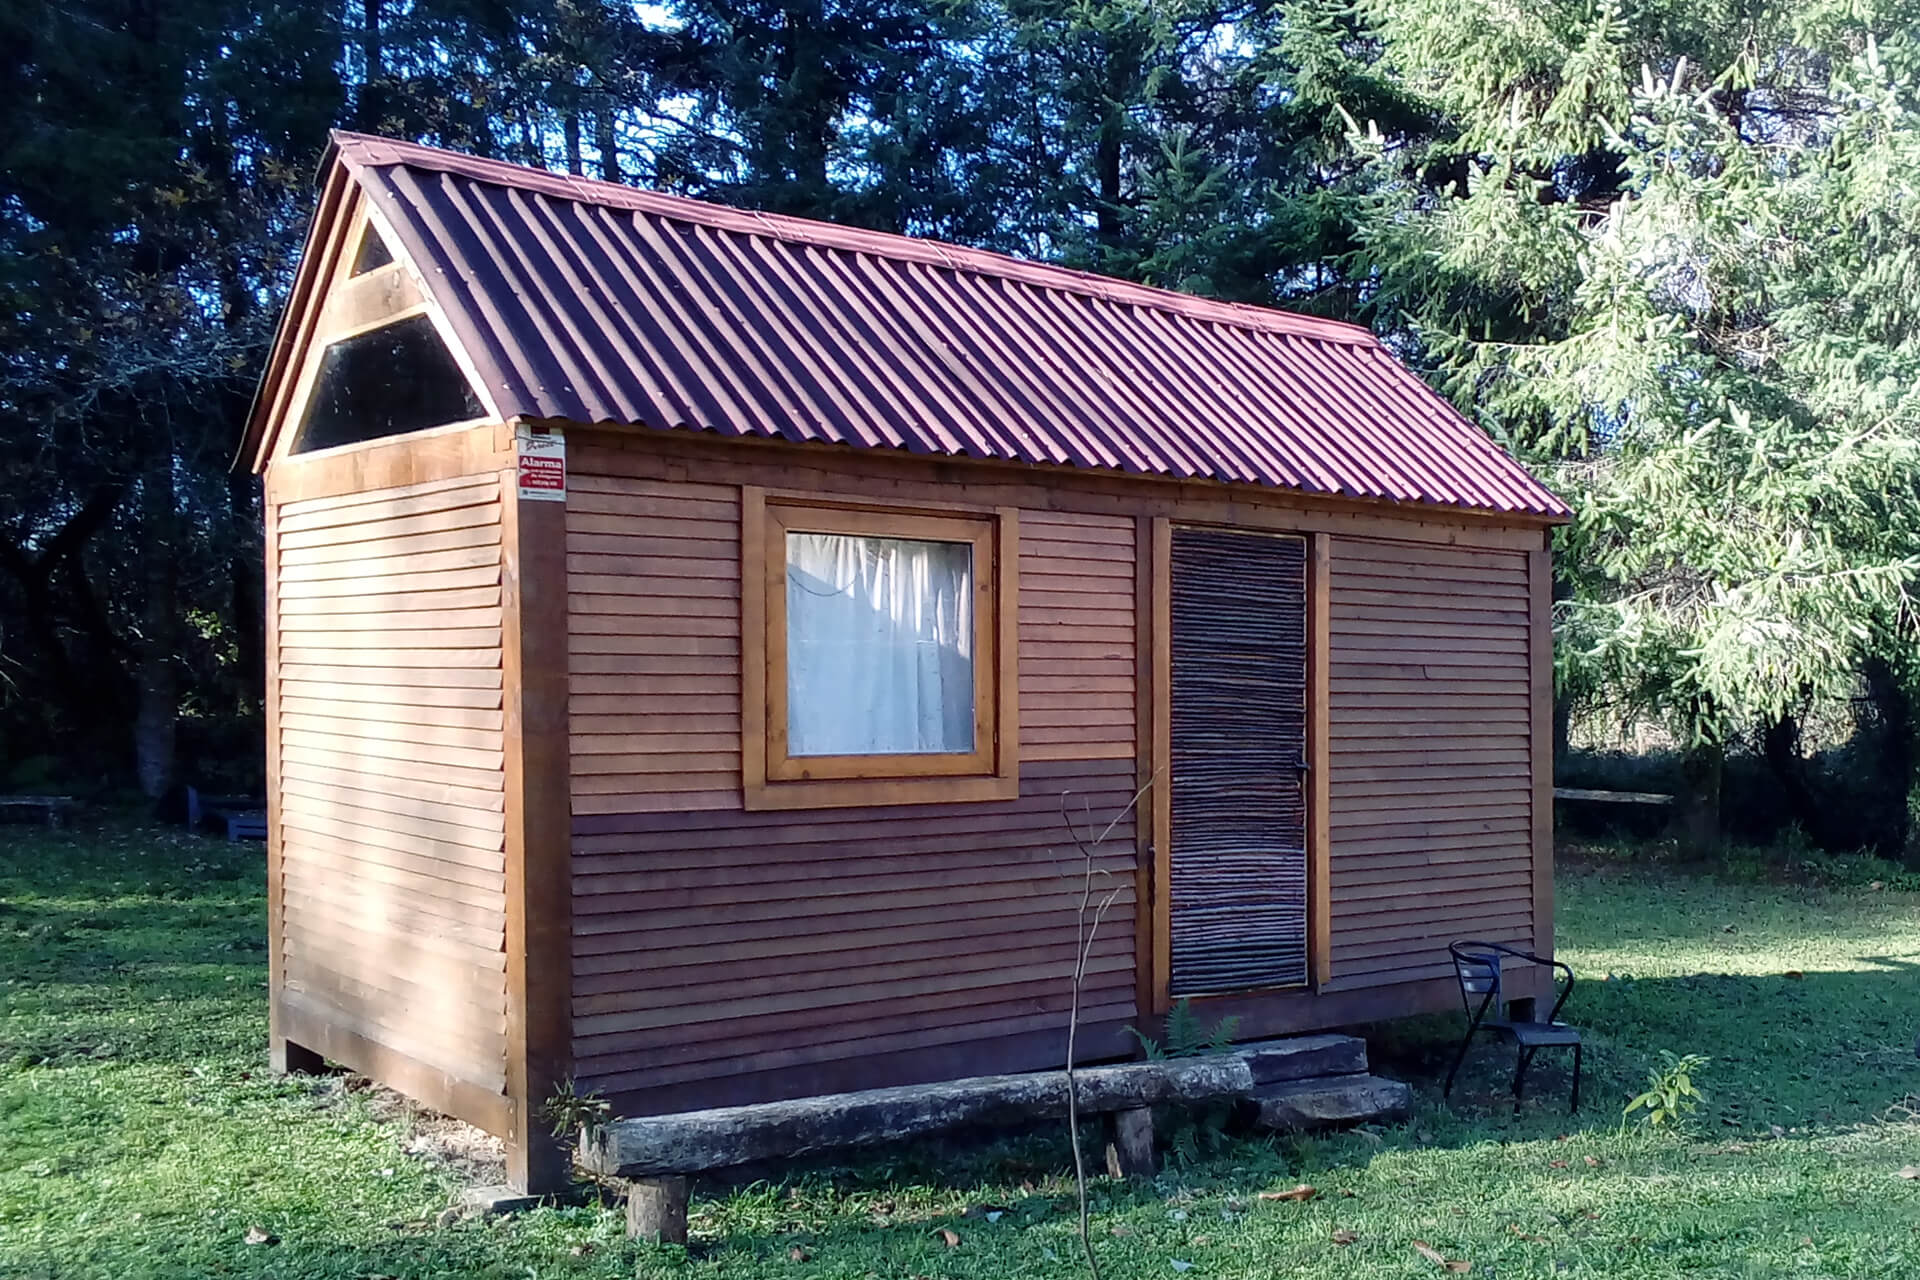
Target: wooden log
(695,1141)
(1130,1151)
(657,1210)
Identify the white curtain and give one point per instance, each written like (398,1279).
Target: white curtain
(879,646)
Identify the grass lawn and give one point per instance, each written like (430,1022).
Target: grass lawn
(141,1136)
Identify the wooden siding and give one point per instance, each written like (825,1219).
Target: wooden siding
(653,582)
(721,955)
(390,808)
(1077,637)
(1430,720)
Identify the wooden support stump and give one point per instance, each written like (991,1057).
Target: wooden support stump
(657,1210)
(1130,1150)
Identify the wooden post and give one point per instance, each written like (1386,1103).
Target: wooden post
(1319,778)
(539,834)
(1130,1150)
(657,1210)
(1540,646)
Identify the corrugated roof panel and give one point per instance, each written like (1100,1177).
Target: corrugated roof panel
(590,302)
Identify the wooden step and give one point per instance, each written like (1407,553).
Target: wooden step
(1304,1057)
(1327,1102)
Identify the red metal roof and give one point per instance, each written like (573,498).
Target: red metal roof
(592,302)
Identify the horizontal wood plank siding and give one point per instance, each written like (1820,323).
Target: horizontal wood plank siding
(721,955)
(653,641)
(390,805)
(1076,637)
(713,943)
(1429,719)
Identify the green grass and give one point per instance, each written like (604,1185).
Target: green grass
(141,1136)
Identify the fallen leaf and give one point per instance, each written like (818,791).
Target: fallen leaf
(1344,1236)
(1201,1242)
(1556,1164)
(1524,1235)
(1440,1259)
(1909,1172)
(798,1254)
(1593,1162)
(1877,885)
(1348,1192)
(581,1250)
(1301,1192)
(260,1235)
(949,1235)
(1793,973)
(1122,1229)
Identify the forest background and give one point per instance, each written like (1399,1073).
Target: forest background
(1667,251)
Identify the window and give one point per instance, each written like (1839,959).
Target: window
(373,252)
(880,654)
(391,380)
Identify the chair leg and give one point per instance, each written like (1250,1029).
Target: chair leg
(1520,1077)
(1458,1058)
(1576,1079)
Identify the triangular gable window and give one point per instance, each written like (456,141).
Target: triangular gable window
(373,252)
(385,382)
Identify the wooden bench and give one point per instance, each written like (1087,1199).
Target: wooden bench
(50,809)
(1289,1084)
(1611,797)
(655,1154)
(245,817)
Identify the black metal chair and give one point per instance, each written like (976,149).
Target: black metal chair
(1477,965)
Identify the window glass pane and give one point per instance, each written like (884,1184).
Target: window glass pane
(879,646)
(394,379)
(373,253)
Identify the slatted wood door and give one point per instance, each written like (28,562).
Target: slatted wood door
(1238,862)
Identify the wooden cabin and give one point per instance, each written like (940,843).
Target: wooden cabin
(700,641)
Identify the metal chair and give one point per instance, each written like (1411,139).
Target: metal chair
(1477,965)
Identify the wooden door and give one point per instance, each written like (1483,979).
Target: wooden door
(1238,861)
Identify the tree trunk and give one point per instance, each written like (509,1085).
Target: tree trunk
(1780,748)
(604,140)
(157,712)
(571,124)
(1885,721)
(373,106)
(1697,809)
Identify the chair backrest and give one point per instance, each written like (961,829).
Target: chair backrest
(1477,966)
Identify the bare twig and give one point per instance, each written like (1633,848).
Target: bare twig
(1085,931)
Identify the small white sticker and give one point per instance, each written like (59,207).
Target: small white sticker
(542,454)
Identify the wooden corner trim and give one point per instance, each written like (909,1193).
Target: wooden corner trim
(1161,606)
(1540,727)
(1319,759)
(539,890)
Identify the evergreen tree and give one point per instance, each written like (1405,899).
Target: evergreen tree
(1664,252)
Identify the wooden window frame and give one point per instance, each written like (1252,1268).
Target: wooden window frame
(771,777)
(345,306)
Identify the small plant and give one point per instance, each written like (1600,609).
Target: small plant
(573,1115)
(1187,1036)
(1191,1133)
(1671,1097)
